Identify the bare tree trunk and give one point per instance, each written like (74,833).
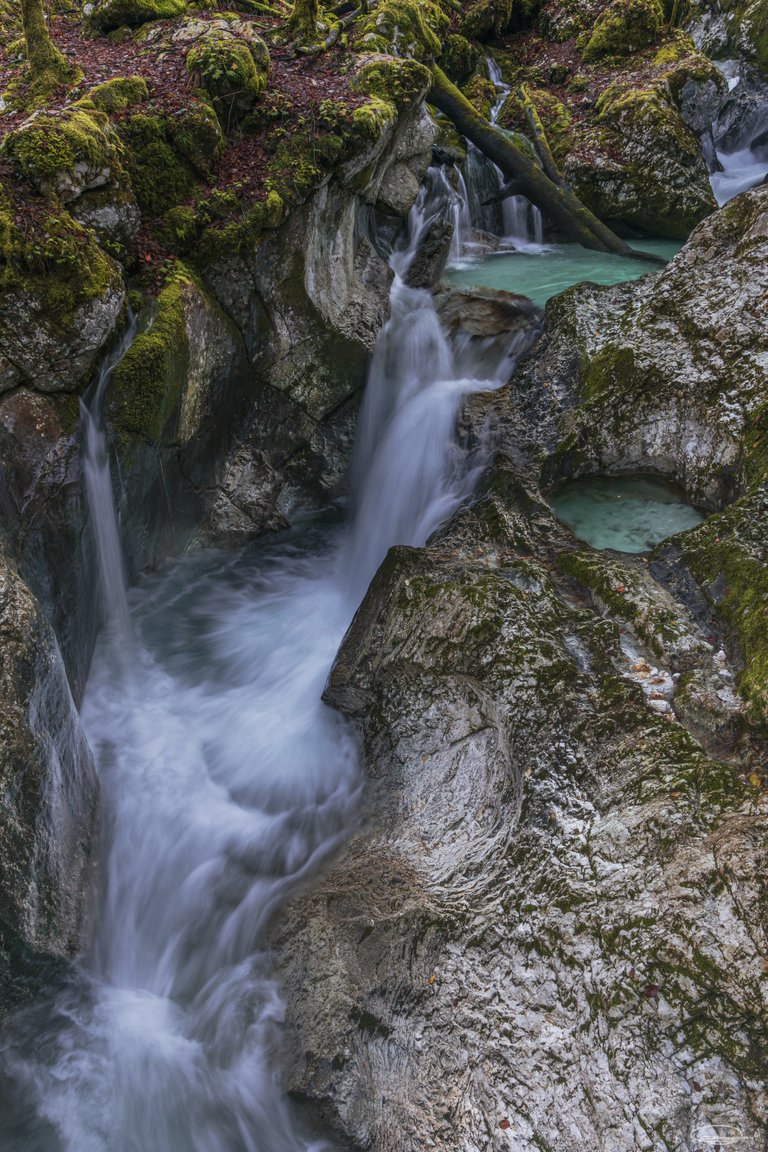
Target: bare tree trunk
(557,202)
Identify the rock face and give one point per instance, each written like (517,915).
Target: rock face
(310,300)
(551,931)
(48,792)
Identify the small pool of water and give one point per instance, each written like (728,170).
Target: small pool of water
(628,513)
(542,273)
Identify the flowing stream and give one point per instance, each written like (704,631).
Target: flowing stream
(226,783)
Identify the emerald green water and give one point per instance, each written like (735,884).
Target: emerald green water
(628,513)
(545,272)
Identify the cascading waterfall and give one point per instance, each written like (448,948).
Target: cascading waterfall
(742,163)
(514,219)
(226,783)
(113,586)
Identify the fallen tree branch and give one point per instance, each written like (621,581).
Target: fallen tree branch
(558,202)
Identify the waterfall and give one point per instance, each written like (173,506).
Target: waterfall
(112,583)
(408,474)
(741,159)
(515,219)
(226,783)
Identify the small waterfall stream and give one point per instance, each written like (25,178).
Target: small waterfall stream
(226,782)
(514,219)
(112,584)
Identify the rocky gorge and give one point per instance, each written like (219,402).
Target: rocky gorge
(519,900)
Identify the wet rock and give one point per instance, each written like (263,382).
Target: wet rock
(485,311)
(539,882)
(48,793)
(427,265)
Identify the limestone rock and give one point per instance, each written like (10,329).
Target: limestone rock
(48,791)
(539,889)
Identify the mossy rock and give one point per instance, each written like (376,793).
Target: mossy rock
(481,94)
(230,238)
(625,27)
(198,138)
(404,28)
(160,179)
(394,80)
(64,152)
(148,382)
(727,555)
(116,95)
(487,18)
(459,58)
(61,296)
(233,72)
(110,14)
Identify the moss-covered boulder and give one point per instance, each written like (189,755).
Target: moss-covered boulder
(555,850)
(733,28)
(110,14)
(61,297)
(233,69)
(408,28)
(64,152)
(641,164)
(116,95)
(485,18)
(160,177)
(623,28)
(459,58)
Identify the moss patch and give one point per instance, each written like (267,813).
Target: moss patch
(149,380)
(116,95)
(46,149)
(403,28)
(115,13)
(232,71)
(160,179)
(623,28)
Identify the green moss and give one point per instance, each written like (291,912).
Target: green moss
(619,590)
(181,229)
(198,138)
(234,237)
(371,119)
(53,260)
(481,94)
(54,142)
(486,18)
(623,28)
(728,556)
(111,14)
(555,118)
(395,81)
(232,71)
(459,58)
(148,382)
(407,28)
(117,95)
(160,180)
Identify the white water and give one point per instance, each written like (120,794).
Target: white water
(746,165)
(522,220)
(226,784)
